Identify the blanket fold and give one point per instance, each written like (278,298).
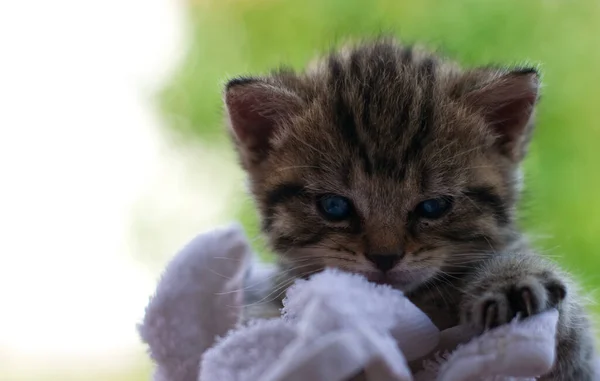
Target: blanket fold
(333,326)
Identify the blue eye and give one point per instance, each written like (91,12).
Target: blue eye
(434,208)
(334,208)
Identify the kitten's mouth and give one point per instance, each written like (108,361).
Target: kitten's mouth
(380,278)
(400,279)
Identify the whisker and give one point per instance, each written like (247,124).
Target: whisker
(279,290)
(268,278)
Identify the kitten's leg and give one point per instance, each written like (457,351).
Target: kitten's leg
(508,285)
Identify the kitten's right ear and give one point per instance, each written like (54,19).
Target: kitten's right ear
(506,99)
(256,110)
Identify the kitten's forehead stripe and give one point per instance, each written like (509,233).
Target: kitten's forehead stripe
(382,70)
(403,119)
(335,69)
(387,61)
(368,86)
(344,115)
(426,117)
(407,54)
(355,65)
(424,126)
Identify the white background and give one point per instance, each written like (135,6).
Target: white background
(80,152)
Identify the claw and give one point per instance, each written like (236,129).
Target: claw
(491,311)
(527,301)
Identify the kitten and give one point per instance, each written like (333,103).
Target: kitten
(392,162)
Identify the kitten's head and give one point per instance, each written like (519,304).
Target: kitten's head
(384,160)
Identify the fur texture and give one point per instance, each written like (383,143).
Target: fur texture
(388,127)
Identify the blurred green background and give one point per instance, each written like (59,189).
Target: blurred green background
(560,207)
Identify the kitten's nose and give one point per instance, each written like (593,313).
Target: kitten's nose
(384,262)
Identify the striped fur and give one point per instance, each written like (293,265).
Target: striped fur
(388,126)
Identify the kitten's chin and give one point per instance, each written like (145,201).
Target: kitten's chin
(403,280)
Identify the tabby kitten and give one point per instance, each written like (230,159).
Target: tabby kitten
(392,162)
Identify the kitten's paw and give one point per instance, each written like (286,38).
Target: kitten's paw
(498,303)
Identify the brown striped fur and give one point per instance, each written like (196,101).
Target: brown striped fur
(388,126)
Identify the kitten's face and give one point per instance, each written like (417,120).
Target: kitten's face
(383,162)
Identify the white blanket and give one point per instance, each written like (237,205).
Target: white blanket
(333,326)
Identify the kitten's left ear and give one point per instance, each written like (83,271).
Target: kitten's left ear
(257,109)
(507,103)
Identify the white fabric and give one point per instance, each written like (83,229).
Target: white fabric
(332,327)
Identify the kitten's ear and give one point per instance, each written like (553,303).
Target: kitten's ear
(507,102)
(256,110)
